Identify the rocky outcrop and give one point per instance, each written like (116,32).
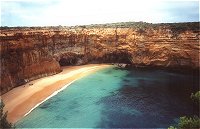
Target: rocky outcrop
(24,59)
(30,53)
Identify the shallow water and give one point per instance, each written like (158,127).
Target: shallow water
(116,98)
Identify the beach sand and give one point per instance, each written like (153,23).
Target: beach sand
(21,100)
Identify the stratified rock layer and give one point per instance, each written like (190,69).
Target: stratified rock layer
(31,53)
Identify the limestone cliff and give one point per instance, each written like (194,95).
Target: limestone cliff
(33,52)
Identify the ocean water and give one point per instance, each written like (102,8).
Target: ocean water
(118,98)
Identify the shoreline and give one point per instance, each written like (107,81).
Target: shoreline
(22,100)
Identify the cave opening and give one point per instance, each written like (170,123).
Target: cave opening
(117,57)
(68,59)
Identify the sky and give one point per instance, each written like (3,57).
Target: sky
(84,12)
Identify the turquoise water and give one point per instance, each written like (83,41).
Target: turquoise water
(116,98)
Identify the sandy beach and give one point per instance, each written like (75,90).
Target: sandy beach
(21,100)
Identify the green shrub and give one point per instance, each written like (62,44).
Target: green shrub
(172,127)
(196,97)
(4,123)
(189,122)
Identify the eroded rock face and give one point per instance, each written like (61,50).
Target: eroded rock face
(23,60)
(30,53)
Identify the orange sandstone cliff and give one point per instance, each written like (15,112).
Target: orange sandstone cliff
(28,53)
